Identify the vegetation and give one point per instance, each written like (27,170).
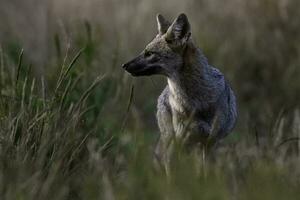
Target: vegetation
(74,125)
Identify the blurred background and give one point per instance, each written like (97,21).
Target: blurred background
(256,44)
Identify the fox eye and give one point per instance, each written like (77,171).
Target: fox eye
(168,41)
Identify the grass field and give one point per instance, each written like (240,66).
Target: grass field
(74,125)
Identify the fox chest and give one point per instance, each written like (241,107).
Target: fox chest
(181,115)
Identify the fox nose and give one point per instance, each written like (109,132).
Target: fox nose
(125,66)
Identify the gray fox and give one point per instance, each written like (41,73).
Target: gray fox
(197,105)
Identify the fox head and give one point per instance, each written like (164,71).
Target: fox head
(165,53)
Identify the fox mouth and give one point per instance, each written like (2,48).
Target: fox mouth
(142,71)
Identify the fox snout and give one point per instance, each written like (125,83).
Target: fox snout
(134,68)
(139,66)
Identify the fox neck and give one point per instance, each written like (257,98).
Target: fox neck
(190,87)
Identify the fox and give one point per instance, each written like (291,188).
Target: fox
(197,106)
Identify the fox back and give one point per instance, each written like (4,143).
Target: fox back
(197,102)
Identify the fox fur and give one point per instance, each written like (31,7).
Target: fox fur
(197,105)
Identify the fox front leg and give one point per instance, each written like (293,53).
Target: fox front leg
(165,144)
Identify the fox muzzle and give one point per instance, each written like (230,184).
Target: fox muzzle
(141,67)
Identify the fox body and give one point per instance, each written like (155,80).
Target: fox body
(197,103)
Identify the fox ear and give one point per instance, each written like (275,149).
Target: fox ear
(180,31)
(162,24)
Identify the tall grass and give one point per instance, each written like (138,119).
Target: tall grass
(75,126)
